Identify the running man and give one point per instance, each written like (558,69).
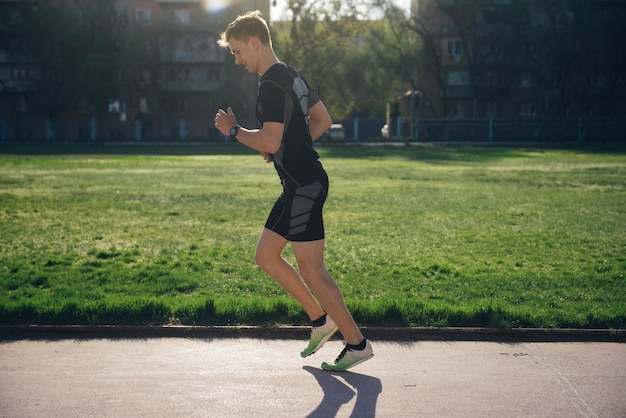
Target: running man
(292,117)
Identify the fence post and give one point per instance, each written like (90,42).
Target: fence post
(137,129)
(356,128)
(399,132)
(94,129)
(581,131)
(490,128)
(181,128)
(49,131)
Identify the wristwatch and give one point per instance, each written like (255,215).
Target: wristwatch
(233,131)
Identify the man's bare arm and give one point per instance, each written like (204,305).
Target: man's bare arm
(319,120)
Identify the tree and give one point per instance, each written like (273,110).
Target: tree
(76,47)
(99,69)
(397,51)
(583,46)
(49,36)
(333,48)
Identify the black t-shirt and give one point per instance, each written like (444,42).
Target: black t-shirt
(285,97)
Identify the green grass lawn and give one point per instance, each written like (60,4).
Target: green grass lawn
(420,236)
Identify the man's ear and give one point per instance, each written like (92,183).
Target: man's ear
(254,42)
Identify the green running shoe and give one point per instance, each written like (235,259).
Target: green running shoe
(349,358)
(319,336)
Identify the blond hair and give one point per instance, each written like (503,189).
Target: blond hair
(244,27)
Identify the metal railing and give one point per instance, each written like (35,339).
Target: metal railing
(512,129)
(423,130)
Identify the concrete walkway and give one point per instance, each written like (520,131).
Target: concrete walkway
(255,377)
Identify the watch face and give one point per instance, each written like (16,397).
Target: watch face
(233,131)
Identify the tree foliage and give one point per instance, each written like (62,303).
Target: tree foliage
(353,63)
(75,45)
(86,52)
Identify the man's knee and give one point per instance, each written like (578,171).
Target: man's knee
(264,258)
(260,258)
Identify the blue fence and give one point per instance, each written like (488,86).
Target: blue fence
(90,129)
(423,130)
(511,129)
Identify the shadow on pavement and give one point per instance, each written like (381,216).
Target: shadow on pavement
(340,387)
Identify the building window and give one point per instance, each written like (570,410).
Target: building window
(20,74)
(457,110)
(84,106)
(526,79)
(178,74)
(530,49)
(562,19)
(144,107)
(22,104)
(493,109)
(550,79)
(182,16)
(531,18)
(178,105)
(455,47)
(596,78)
(146,78)
(527,108)
(143,16)
(114,105)
(213,73)
(458,78)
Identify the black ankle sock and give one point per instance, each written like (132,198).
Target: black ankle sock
(319,321)
(358,347)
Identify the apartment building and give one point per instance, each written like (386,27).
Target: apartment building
(167,73)
(520,58)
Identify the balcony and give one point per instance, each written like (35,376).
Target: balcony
(197,86)
(492,92)
(458,92)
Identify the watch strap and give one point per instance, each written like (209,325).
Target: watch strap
(233,131)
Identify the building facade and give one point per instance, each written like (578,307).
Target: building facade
(519,58)
(135,69)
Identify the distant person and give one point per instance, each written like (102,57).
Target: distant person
(292,116)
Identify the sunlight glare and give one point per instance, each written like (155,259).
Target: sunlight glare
(216,6)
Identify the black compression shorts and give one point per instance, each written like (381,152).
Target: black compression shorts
(297,214)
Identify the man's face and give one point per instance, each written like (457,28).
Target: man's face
(245,54)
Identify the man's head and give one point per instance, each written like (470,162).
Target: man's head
(245,27)
(248,38)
